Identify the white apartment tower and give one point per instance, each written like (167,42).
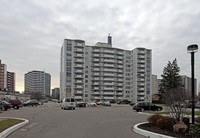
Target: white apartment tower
(102,72)
(37,82)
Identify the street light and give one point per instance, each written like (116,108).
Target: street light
(192,49)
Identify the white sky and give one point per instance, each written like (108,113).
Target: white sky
(32,32)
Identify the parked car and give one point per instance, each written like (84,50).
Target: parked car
(124,102)
(141,106)
(1,105)
(106,103)
(99,102)
(68,103)
(91,103)
(5,106)
(31,103)
(132,103)
(80,104)
(15,103)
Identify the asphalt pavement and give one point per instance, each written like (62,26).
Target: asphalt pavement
(49,121)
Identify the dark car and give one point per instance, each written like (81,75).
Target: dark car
(16,103)
(5,106)
(124,102)
(1,105)
(31,103)
(141,106)
(132,103)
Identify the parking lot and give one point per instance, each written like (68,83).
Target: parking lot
(50,121)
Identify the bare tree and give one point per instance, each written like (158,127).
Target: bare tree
(175,99)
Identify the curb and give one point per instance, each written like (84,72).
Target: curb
(9,130)
(148,133)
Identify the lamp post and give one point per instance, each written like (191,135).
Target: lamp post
(192,49)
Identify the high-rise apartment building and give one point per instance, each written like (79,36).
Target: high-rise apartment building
(37,82)
(3,76)
(55,93)
(187,83)
(11,81)
(7,79)
(102,72)
(154,87)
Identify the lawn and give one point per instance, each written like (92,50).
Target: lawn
(4,124)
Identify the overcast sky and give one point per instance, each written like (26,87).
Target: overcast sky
(32,31)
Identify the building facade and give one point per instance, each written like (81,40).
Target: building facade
(187,84)
(55,93)
(11,81)
(154,87)
(37,82)
(7,79)
(3,76)
(102,72)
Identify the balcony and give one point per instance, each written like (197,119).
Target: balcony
(118,97)
(78,81)
(119,93)
(96,55)
(141,66)
(78,55)
(119,80)
(119,75)
(108,93)
(119,89)
(141,93)
(78,65)
(112,70)
(96,74)
(79,92)
(108,88)
(96,64)
(140,56)
(78,76)
(78,97)
(120,53)
(96,50)
(140,84)
(79,44)
(120,62)
(141,61)
(119,66)
(109,79)
(108,60)
(96,69)
(141,52)
(119,70)
(106,98)
(108,83)
(96,93)
(96,88)
(140,89)
(78,50)
(109,74)
(96,97)
(109,56)
(109,51)
(109,65)
(140,98)
(78,86)
(79,60)
(78,70)
(120,57)
(96,83)
(140,79)
(95,60)
(120,84)
(141,70)
(96,79)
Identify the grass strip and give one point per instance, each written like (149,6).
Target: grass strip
(4,124)
(187,113)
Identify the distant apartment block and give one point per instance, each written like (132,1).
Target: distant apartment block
(7,79)
(37,82)
(154,87)
(102,72)
(187,83)
(55,93)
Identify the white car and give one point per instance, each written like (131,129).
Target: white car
(91,104)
